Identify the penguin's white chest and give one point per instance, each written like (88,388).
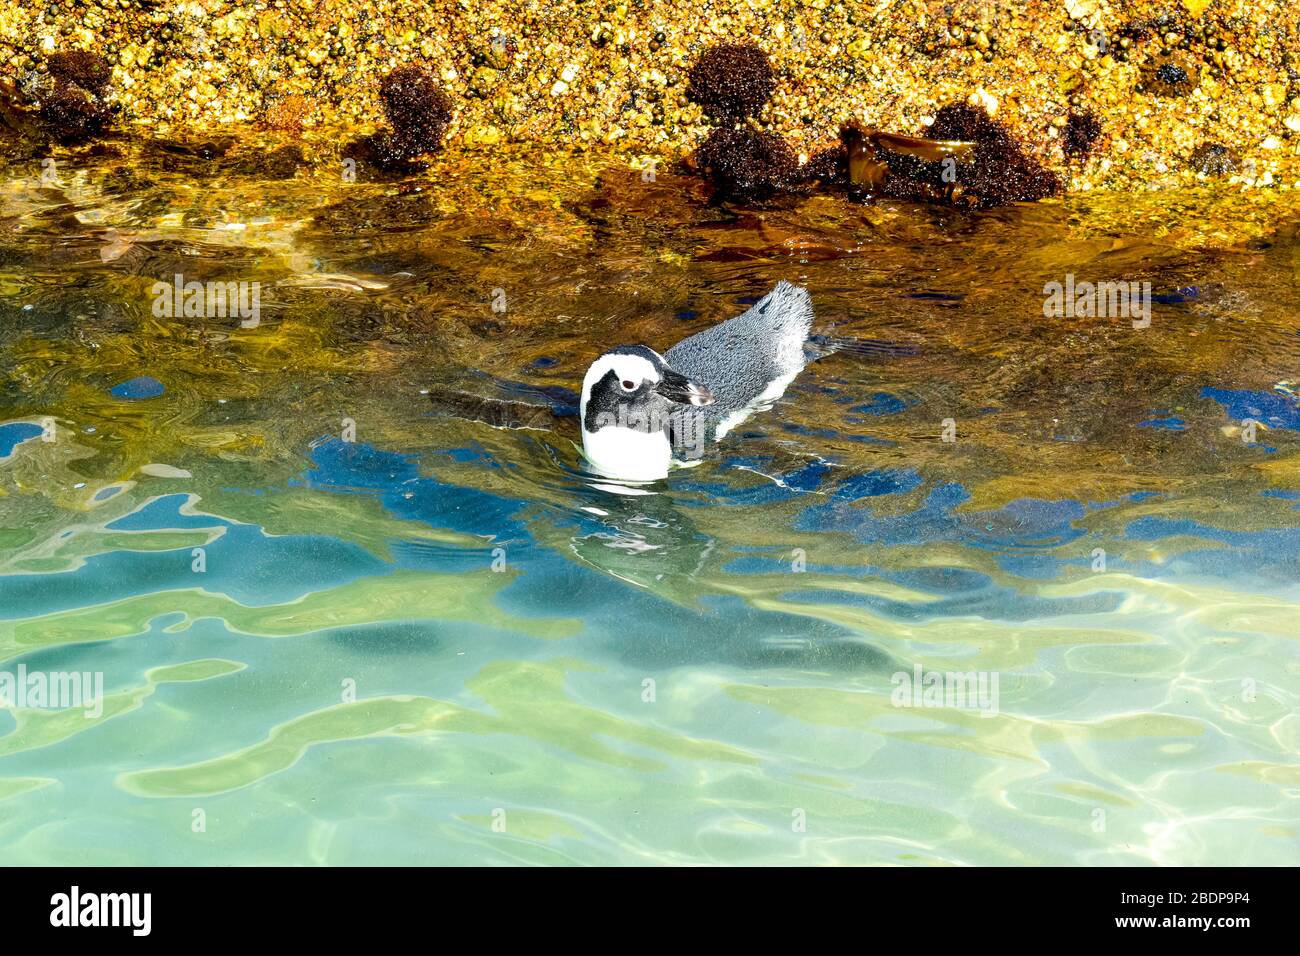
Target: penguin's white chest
(628,453)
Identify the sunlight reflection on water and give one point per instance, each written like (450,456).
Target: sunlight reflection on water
(391,638)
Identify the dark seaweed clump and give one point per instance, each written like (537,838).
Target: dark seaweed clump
(82,68)
(734,81)
(418,113)
(731,81)
(829,167)
(388,153)
(1080,134)
(1001,171)
(73,107)
(997,171)
(73,114)
(417,110)
(747,164)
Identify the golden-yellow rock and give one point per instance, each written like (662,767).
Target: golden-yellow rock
(614,72)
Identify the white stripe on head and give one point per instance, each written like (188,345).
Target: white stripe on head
(628,368)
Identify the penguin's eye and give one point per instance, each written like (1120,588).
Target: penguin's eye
(629,385)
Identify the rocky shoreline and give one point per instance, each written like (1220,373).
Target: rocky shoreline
(1106,94)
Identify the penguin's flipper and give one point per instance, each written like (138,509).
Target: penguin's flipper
(821,346)
(504,404)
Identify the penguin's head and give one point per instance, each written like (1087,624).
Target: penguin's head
(630,397)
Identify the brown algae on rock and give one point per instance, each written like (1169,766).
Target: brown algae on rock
(731,81)
(866,154)
(68,96)
(1000,170)
(747,164)
(72,114)
(616,77)
(82,68)
(1080,134)
(967,160)
(417,110)
(418,113)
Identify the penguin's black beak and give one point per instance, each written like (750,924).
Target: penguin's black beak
(679,388)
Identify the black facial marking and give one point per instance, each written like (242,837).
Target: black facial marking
(610,404)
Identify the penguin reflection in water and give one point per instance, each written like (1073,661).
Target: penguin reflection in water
(642,412)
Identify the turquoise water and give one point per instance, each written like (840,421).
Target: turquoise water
(343,615)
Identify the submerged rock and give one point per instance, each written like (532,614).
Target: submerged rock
(204,150)
(198,158)
(281,163)
(15,120)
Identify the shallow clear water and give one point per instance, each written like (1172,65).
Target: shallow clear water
(439,643)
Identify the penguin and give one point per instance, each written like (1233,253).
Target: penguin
(641,412)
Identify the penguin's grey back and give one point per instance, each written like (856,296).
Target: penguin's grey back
(748,360)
